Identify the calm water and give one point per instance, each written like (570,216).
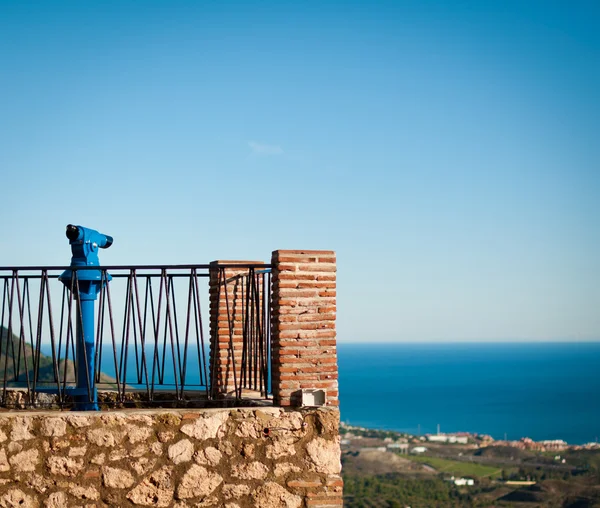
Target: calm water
(544,391)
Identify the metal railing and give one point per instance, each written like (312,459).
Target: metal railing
(150,340)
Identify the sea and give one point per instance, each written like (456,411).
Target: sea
(513,390)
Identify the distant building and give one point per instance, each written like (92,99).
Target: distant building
(418,449)
(461,482)
(437,439)
(401,447)
(444,438)
(526,443)
(554,444)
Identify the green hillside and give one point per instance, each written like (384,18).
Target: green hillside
(15,362)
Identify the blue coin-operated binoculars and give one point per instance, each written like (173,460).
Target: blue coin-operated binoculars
(85,243)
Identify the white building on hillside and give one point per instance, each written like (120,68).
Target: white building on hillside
(462,482)
(443,438)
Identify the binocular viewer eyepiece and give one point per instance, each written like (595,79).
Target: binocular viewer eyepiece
(85,243)
(79,233)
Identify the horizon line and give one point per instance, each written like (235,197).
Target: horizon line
(474,341)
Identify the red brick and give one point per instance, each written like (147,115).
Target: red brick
(288,335)
(317,267)
(316,317)
(286,267)
(318,384)
(303,483)
(324,494)
(287,303)
(334,481)
(326,368)
(328,360)
(299,377)
(290,384)
(324,503)
(327,259)
(324,276)
(297,259)
(327,342)
(295,276)
(298,326)
(315,302)
(287,284)
(316,284)
(291,252)
(325,377)
(324,310)
(288,369)
(297,293)
(287,318)
(327,292)
(297,343)
(320,333)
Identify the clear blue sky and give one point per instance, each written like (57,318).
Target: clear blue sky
(448,151)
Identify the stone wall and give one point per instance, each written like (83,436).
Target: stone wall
(267,457)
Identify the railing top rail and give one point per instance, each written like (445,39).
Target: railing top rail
(134,267)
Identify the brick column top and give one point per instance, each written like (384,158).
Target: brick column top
(302,251)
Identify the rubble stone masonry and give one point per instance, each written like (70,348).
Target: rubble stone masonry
(234,458)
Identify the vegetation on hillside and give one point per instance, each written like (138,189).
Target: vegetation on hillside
(374,478)
(17,364)
(395,491)
(459,468)
(17,361)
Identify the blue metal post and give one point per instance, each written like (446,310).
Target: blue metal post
(87,397)
(85,243)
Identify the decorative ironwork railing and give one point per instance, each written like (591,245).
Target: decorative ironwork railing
(150,340)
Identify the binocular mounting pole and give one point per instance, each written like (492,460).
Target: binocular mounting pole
(87,284)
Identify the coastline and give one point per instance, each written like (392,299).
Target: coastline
(463,438)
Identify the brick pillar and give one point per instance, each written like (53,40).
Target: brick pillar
(227,308)
(303,335)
